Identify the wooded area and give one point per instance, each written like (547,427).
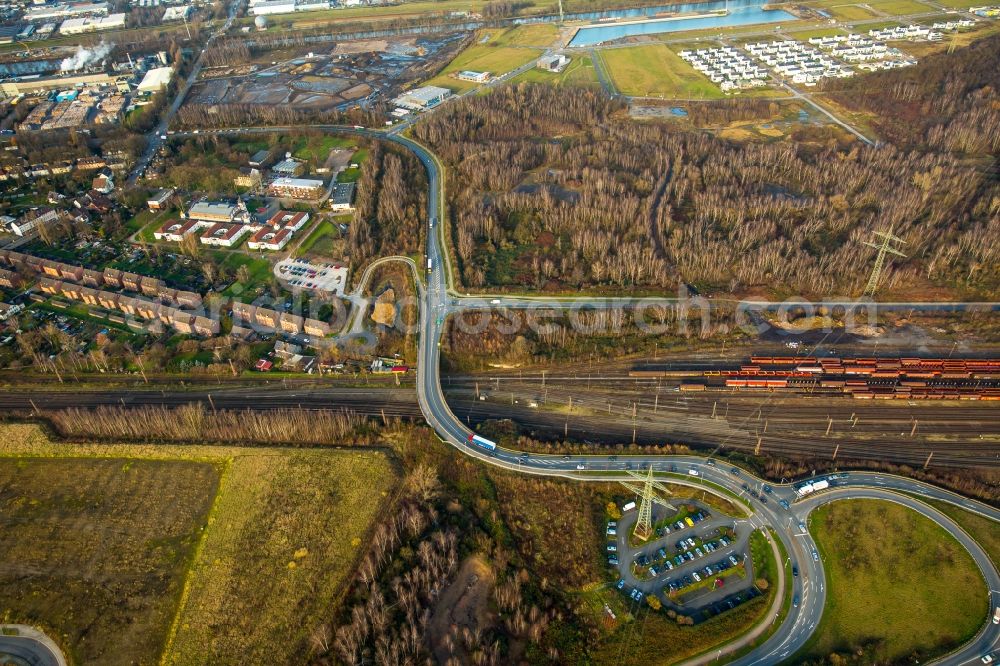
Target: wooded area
(389,206)
(609,202)
(948,102)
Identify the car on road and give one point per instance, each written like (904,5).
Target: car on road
(795,601)
(768,489)
(612,548)
(987,658)
(693,472)
(996,615)
(696,576)
(815,556)
(735,471)
(581,466)
(620,584)
(795,571)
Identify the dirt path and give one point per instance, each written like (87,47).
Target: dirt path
(464,604)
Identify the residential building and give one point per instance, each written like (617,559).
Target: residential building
(291,323)
(103,184)
(92,278)
(243,312)
(225,235)
(113,277)
(249,178)
(9,279)
(296,188)
(8,310)
(161,200)
(316,327)
(176,230)
(278,231)
(267,318)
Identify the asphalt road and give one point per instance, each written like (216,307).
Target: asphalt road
(439,301)
(29,648)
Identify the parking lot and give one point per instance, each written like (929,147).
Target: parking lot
(696,561)
(300,274)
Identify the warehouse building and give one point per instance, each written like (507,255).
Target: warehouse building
(421,99)
(156,79)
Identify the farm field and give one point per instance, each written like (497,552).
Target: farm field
(488,56)
(656,71)
(267,562)
(880,599)
(79,535)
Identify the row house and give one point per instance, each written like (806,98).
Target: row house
(187,299)
(50,286)
(88,295)
(267,318)
(206,326)
(9,279)
(316,327)
(291,323)
(243,312)
(113,277)
(92,278)
(149,286)
(107,300)
(131,281)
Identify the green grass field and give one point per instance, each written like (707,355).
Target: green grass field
(317,148)
(899,587)
(243,579)
(899,7)
(851,12)
(579,72)
(804,35)
(321,237)
(483,57)
(539,35)
(656,71)
(983,530)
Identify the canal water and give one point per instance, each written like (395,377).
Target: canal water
(741,12)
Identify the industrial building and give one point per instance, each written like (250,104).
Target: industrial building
(420,99)
(60,10)
(27,85)
(77,26)
(156,79)
(176,13)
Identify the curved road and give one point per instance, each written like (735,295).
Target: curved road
(439,300)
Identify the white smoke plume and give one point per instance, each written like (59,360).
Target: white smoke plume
(84,57)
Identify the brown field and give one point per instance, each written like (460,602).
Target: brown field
(268,563)
(95,550)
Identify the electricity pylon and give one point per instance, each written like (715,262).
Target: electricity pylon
(647,497)
(884,248)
